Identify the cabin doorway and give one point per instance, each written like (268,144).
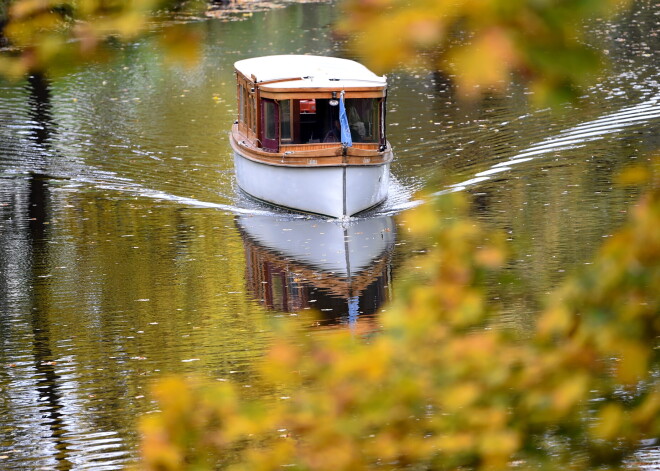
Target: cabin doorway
(270,125)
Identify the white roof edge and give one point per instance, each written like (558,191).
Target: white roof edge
(309,68)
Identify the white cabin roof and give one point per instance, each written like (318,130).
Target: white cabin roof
(309,72)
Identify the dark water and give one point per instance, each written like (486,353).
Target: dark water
(127,252)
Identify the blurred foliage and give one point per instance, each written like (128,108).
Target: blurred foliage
(482,43)
(438,387)
(52,34)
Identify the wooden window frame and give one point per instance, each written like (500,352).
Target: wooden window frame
(287,140)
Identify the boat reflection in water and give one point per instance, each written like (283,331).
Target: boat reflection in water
(341,270)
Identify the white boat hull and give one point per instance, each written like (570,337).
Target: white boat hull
(335,191)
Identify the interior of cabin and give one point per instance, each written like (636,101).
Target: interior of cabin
(307,121)
(317,120)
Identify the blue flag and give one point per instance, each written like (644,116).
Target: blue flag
(343,121)
(353,310)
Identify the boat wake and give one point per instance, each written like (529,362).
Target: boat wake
(400,196)
(125,186)
(572,138)
(398,200)
(575,137)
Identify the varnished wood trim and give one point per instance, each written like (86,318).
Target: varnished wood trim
(323,93)
(313,147)
(280,80)
(320,157)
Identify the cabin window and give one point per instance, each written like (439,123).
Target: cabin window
(285,120)
(252,113)
(246,105)
(311,121)
(270,120)
(317,121)
(241,103)
(363,119)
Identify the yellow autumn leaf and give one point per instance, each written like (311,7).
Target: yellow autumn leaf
(556,320)
(633,364)
(460,396)
(497,448)
(648,410)
(609,422)
(569,392)
(490,257)
(486,62)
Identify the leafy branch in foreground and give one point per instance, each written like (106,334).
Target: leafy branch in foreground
(483,43)
(438,388)
(38,35)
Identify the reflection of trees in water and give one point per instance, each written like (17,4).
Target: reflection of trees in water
(4,14)
(48,382)
(40,108)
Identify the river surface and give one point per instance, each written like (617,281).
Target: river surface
(127,252)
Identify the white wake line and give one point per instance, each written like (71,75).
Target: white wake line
(571,138)
(397,208)
(584,131)
(137,190)
(636,113)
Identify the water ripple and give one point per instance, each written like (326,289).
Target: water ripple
(571,138)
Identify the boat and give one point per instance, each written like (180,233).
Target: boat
(339,268)
(310,134)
